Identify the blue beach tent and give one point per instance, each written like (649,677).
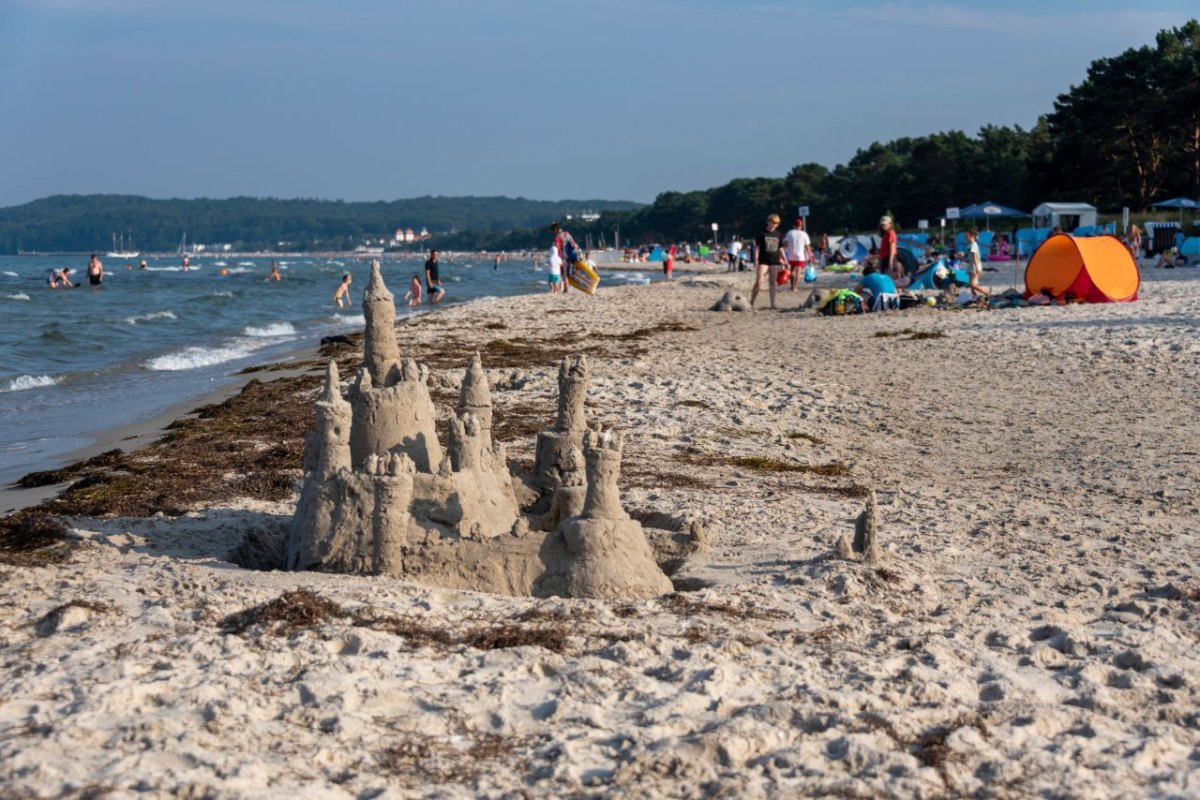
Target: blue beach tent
(987,210)
(1177,202)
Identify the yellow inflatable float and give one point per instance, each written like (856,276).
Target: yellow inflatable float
(584,278)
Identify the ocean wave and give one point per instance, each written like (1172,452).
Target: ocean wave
(238,270)
(222,294)
(151,316)
(17,296)
(196,357)
(246,264)
(220,264)
(349,319)
(271,329)
(23,382)
(11,274)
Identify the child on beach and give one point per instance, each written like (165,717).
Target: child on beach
(668,264)
(343,291)
(556,263)
(413,295)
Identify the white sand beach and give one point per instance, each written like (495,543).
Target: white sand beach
(1033,628)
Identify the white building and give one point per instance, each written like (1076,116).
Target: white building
(1066,216)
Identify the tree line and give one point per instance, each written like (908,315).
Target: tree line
(1127,135)
(80,223)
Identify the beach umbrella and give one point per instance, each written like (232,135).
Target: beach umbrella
(987,210)
(1178,202)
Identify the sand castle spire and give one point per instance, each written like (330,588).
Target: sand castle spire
(333,425)
(476,396)
(380,351)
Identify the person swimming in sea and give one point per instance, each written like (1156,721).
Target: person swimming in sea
(274,276)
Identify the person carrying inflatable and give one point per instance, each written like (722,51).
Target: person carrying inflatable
(577,271)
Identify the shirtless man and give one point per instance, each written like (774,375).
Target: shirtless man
(95,271)
(274,276)
(343,291)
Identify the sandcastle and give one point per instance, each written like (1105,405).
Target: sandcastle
(381,497)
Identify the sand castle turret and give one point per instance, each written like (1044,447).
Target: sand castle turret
(610,557)
(328,452)
(554,457)
(381,497)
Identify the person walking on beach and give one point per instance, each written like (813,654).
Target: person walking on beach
(568,251)
(799,250)
(887,247)
(975,266)
(768,253)
(95,271)
(413,295)
(343,292)
(669,263)
(433,281)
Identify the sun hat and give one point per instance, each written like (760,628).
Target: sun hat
(885,220)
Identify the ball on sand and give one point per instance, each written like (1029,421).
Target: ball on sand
(929,301)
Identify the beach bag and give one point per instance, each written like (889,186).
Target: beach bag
(810,274)
(785,275)
(843,303)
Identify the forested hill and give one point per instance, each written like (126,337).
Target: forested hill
(87,222)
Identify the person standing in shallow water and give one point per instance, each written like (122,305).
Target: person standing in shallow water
(433,280)
(95,271)
(343,291)
(768,251)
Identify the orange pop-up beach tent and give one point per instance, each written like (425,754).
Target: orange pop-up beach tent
(1098,269)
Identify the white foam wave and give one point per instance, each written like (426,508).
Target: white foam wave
(349,319)
(238,270)
(11,274)
(246,264)
(23,382)
(222,294)
(195,357)
(220,264)
(18,296)
(271,329)
(148,317)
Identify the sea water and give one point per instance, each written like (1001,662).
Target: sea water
(77,362)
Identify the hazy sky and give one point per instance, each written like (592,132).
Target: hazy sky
(548,99)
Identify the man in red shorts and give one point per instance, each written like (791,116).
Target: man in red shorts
(799,250)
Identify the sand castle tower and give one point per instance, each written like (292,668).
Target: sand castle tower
(381,497)
(610,555)
(392,408)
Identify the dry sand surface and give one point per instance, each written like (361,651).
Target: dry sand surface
(1033,629)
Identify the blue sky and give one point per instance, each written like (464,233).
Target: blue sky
(384,99)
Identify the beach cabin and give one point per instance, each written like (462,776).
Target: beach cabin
(1067,216)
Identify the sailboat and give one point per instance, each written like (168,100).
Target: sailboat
(121,252)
